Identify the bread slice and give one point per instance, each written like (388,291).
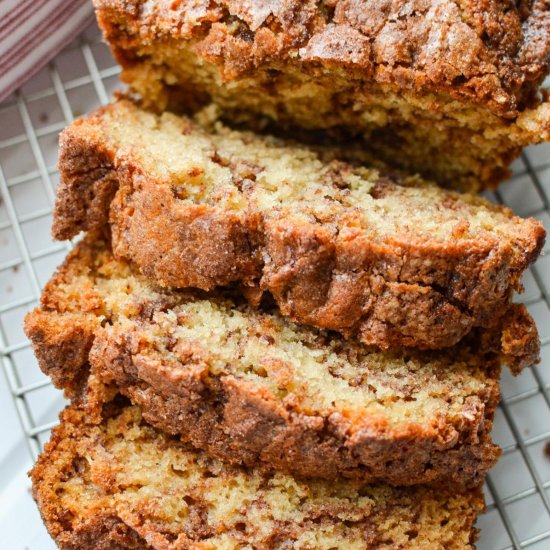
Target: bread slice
(122,484)
(398,262)
(448,89)
(249,386)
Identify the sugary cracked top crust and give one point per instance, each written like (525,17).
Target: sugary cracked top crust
(490,52)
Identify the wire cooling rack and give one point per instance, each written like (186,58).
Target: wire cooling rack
(81,78)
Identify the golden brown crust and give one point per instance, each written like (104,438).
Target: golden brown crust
(390,291)
(233,419)
(450,85)
(80,491)
(63,343)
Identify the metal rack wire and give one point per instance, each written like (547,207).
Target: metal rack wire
(81,78)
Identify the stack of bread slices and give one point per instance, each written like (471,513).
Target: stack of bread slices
(275,333)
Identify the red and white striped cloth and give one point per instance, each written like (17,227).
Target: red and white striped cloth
(32,32)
